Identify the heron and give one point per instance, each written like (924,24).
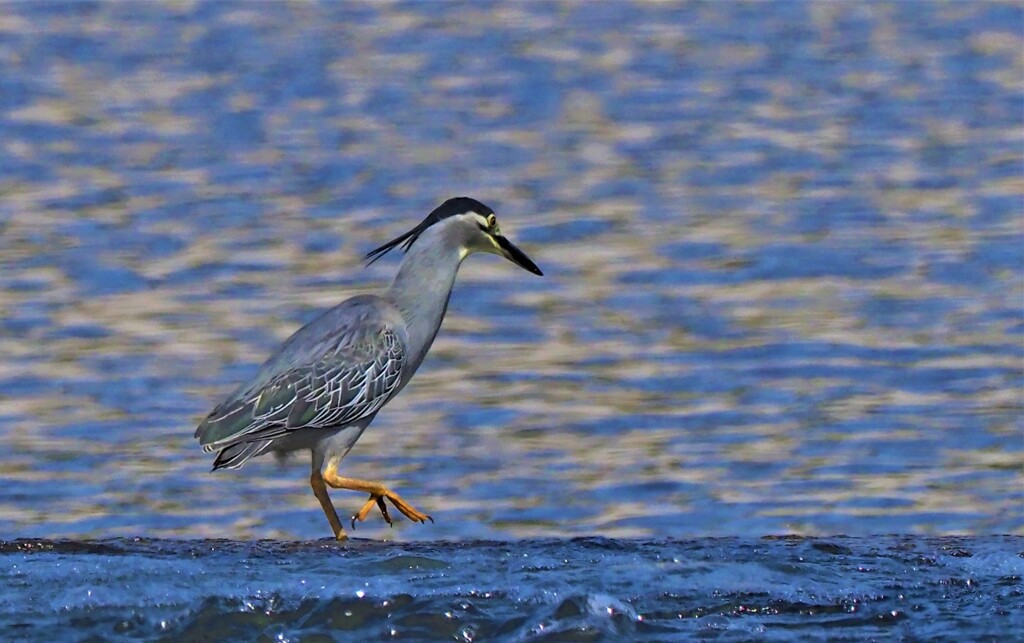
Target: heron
(327,382)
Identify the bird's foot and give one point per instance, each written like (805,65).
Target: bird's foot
(377,499)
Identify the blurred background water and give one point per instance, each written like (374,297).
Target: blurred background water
(784,249)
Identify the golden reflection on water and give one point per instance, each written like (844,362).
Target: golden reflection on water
(764,311)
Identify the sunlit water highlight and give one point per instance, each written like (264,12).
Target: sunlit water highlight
(784,250)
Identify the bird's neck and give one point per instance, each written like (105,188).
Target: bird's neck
(421,290)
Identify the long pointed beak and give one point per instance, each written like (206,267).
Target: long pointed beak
(516,256)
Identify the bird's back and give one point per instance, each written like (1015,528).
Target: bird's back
(340,368)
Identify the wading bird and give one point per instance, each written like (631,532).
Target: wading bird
(327,382)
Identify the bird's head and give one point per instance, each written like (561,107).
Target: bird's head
(466,224)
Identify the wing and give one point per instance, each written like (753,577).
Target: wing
(341,368)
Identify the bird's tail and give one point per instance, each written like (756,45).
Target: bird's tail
(234,456)
(226,422)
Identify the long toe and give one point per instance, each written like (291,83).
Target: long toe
(384,511)
(374,500)
(408,510)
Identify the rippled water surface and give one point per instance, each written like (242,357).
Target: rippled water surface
(730,589)
(784,250)
(784,295)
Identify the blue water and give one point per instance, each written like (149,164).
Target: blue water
(585,589)
(784,295)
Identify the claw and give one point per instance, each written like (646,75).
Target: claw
(408,510)
(378,494)
(371,501)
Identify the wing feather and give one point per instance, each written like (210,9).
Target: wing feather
(347,377)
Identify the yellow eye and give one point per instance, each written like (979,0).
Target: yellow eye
(492,221)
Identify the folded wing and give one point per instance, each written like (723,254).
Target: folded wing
(319,380)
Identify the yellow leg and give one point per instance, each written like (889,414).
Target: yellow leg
(320,491)
(378,492)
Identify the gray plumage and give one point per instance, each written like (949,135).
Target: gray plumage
(340,368)
(327,382)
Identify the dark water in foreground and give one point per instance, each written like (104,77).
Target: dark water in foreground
(581,589)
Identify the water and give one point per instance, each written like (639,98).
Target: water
(784,291)
(546,589)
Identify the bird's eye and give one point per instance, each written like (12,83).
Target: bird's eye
(492,221)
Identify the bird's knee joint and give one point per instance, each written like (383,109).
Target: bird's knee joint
(328,472)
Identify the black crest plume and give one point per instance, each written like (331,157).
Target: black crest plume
(450,208)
